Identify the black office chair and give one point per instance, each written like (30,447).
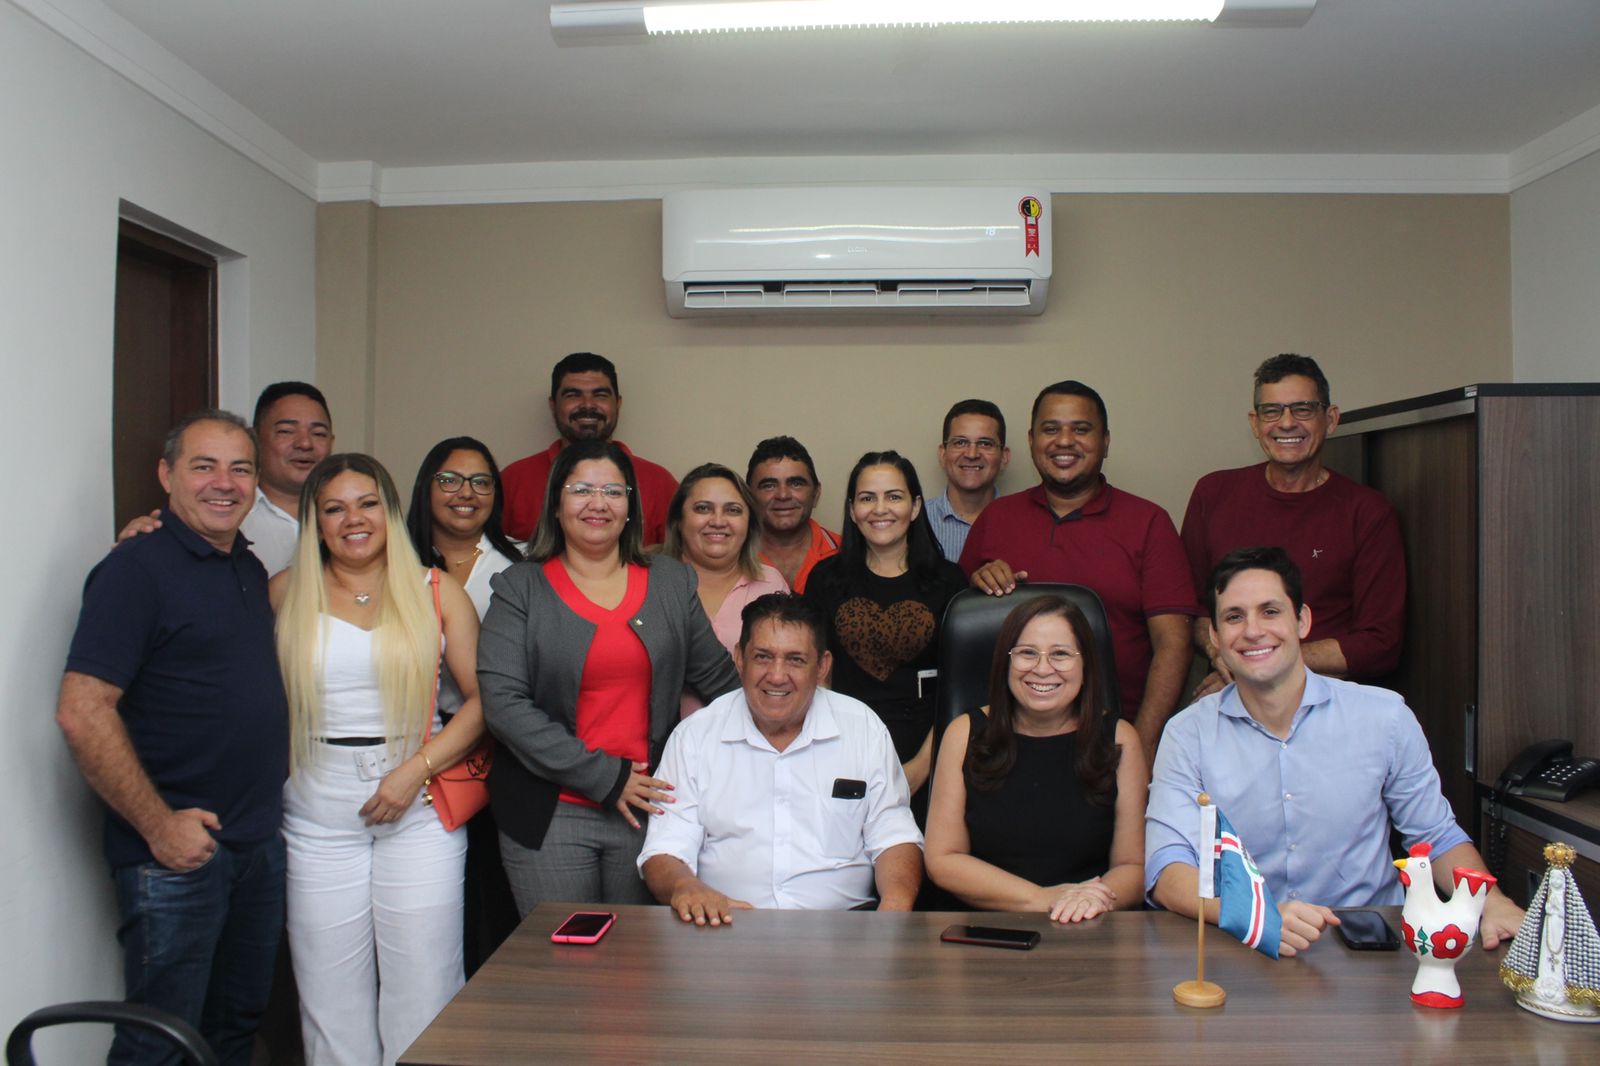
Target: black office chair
(19,1045)
(967,635)
(966,645)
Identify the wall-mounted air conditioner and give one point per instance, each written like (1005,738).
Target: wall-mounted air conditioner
(970,250)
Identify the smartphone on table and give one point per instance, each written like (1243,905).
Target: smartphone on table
(991,937)
(584,927)
(1365,930)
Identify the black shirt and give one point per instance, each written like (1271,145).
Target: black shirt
(882,635)
(186,632)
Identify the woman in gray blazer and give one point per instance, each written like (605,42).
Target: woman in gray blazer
(584,653)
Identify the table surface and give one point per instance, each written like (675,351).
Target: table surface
(855,986)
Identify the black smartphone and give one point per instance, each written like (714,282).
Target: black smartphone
(1366,930)
(991,937)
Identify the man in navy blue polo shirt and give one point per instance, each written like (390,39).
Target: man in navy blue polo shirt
(173,706)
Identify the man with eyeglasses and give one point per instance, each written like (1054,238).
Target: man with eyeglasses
(973,453)
(585,402)
(1344,536)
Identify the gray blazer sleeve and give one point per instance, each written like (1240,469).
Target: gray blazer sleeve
(707,668)
(530,662)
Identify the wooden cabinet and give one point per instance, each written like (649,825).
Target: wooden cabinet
(1516,830)
(1498,492)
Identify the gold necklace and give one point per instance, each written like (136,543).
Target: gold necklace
(470,558)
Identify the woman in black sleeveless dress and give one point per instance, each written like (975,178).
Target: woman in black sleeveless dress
(1038,799)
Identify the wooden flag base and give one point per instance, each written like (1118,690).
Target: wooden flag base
(1199,994)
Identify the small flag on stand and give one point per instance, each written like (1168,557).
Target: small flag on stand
(1246,909)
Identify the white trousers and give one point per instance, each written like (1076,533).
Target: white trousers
(370,908)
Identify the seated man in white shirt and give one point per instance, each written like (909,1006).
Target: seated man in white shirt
(785,794)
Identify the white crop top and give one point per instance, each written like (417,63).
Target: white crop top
(351,703)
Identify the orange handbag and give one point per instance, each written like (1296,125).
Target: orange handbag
(460,791)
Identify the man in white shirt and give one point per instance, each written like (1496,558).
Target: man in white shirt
(294,432)
(784,794)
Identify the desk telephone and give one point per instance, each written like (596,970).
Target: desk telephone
(1546,770)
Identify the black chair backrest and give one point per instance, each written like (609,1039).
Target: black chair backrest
(195,1051)
(966,645)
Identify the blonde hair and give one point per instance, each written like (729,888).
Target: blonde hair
(405,638)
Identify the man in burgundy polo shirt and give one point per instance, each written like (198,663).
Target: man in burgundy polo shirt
(1074,527)
(1344,536)
(584,402)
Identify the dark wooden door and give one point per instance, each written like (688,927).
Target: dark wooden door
(165,356)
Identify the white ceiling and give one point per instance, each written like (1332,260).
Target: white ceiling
(429,83)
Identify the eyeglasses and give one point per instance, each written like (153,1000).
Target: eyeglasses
(584,490)
(1058,658)
(985,445)
(1303,410)
(450,481)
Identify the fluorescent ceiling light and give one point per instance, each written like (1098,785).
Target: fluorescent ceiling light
(637,17)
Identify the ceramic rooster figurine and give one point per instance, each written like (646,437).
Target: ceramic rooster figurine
(1438,932)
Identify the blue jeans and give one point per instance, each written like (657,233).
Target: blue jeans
(202,945)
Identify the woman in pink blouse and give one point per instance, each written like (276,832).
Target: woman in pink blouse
(709,527)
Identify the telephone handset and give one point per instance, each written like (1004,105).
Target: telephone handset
(1546,770)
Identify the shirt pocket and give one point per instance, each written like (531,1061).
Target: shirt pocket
(840,824)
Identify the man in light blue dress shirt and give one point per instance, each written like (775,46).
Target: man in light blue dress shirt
(1311,771)
(973,454)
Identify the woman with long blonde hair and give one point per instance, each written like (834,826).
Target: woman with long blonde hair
(374,880)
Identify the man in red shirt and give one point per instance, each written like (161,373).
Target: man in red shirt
(1074,527)
(1344,536)
(584,403)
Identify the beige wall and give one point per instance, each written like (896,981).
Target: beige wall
(1163,303)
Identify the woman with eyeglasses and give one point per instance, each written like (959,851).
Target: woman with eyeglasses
(455,517)
(454,523)
(883,597)
(709,527)
(1038,801)
(374,878)
(585,652)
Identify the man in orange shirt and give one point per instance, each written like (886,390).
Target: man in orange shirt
(784,480)
(585,402)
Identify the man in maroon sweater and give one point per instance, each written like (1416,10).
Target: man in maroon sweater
(584,403)
(1075,527)
(1343,536)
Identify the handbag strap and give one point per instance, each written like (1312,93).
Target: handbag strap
(438,669)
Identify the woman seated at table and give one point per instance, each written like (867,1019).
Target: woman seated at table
(454,523)
(1038,800)
(586,650)
(374,880)
(883,597)
(708,527)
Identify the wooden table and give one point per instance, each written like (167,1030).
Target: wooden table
(818,987)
